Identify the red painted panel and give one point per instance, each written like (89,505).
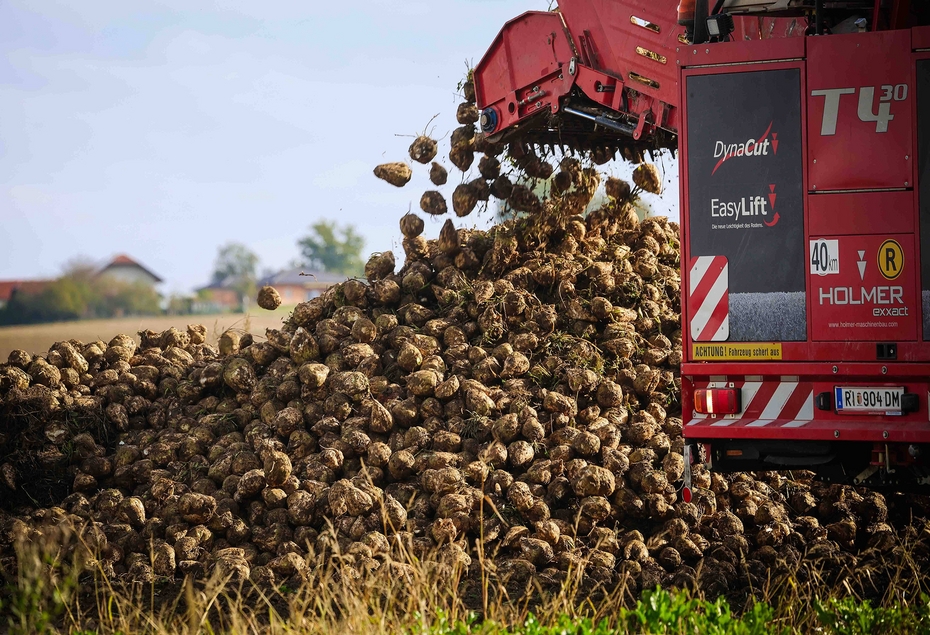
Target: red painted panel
(920,38)
(742,52)
(872,295)
(523,70)
(608,33)
(860,372)
(861,213)
(860,124)
(889,431)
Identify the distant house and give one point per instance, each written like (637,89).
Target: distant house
(218,297)
(297,285)
(125,269)
(122,268)
(8,288)
(293,285)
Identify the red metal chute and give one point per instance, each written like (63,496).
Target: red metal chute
(594,74)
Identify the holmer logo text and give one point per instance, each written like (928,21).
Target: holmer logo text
(881,296)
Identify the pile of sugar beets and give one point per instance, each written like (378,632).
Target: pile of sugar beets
(511,392)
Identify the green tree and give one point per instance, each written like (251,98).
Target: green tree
(179,305)
(56,303)
(236,266)
(330,247)
(80,268)
(65,299)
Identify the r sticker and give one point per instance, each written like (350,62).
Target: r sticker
(890,259)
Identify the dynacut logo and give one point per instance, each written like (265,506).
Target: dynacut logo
(760,147)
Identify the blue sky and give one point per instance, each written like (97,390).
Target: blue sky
(167,129)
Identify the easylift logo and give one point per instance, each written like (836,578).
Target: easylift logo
(748,206)
(760,147)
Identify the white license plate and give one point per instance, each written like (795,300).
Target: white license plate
(869,400)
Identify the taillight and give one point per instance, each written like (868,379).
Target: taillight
(717,401)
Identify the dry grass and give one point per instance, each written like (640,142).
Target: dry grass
(55,586)
(37,338)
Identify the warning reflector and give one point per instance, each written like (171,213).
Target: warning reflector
(708,299)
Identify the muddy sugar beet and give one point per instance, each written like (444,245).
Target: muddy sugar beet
(533,372)
(397,174)
(511,393)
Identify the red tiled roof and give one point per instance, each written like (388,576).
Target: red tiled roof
(7,287)
(123,259)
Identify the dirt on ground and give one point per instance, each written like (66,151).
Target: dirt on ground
(38,338)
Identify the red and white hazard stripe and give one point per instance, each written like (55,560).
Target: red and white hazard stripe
(786,404)
(709,299)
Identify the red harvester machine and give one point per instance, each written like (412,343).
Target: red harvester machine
(804,135)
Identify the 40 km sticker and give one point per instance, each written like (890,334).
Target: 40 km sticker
(825,257)
(890,259)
